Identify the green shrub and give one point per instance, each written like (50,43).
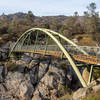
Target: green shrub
(96,73)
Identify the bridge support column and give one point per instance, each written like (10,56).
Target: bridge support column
(91,74)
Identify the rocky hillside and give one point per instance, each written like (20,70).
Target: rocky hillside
(13,25)
(35,78)
(40,78)
(20,15)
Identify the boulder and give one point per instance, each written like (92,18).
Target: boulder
(3,88)
(26,58)
(25,90)
(3,73)
(80,93)
(4,52)
(19,85)
(37,96)
(7,97)
(96,88)
(50,83)
(33,63)
(38,70)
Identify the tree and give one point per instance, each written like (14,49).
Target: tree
(91,8)
(30,17)
(76,13)
(91,19)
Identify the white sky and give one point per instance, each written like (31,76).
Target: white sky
(46,7)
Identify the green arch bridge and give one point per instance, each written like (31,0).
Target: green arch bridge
(41,41)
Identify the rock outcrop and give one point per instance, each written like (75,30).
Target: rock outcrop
(38,78)
(4,51)
(34,78)
(83,92)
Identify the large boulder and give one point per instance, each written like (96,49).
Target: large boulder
(96,88)
(80,93)
(50,83)
(26,58)
(83,92)
(38,70)
(19,85)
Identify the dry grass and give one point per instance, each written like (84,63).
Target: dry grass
(92,96)
(85,39)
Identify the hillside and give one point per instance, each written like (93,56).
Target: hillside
(13,25)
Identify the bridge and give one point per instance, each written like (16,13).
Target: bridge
(47,42)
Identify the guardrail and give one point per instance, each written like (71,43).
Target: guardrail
(92,50)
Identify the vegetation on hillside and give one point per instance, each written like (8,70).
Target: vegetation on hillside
(13,25)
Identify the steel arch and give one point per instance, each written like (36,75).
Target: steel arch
(52,34)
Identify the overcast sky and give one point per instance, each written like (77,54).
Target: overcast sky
(46,7)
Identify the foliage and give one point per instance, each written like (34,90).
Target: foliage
(65,97)
(11,66)
(70,26)
(91,19)
(97,73)
(63,90)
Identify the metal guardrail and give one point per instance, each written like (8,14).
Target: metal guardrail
(92,50)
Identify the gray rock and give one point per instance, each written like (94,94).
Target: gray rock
(3,88)
(19,85)
(3,72)
(80,93)
(96,88)
(25,90)
(20,68)
(38,71)
(33,63)
(6,97)
(42,81)
(4,51)
(34,75)
(13,80)
(27,58)
(4,93)
(37,96)
(43,68)
(53,79)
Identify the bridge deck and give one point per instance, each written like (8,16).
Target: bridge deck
(80,57)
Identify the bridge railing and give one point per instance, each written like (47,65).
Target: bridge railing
(92,50)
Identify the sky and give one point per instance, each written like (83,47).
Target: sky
(46,7)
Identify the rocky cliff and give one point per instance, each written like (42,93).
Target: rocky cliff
(39,78)
(36,78)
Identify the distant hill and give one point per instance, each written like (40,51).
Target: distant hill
(20,15)
(13,25)
(43,19)
(11,17)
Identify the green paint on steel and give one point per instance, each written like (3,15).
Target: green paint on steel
(51,34)
(36,39)
(46,44)
(24,39)
(91,74)
(18,41)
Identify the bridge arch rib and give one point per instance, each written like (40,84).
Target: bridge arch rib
(52,34)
